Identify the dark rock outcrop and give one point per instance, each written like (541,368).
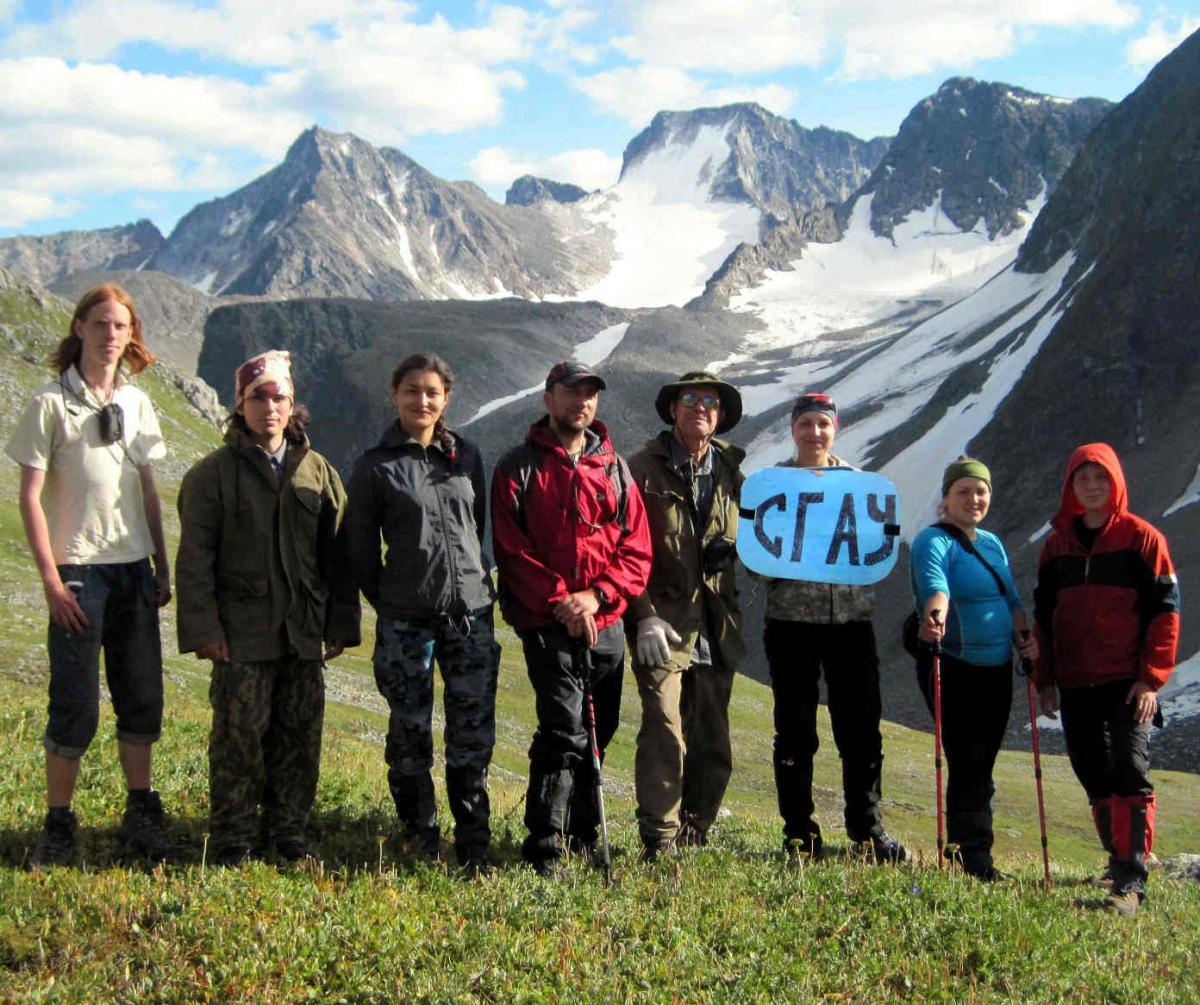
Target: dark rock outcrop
(528,190)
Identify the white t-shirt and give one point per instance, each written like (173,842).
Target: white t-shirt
(92,496)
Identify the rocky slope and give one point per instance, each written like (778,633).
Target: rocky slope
(53,256)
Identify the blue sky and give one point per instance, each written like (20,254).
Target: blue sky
(119,109)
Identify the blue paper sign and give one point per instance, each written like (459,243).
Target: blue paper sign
(822,525)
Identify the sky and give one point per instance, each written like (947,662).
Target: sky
(117,110)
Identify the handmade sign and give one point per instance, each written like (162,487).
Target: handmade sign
(823,525)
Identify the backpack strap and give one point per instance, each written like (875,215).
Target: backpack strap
(969,546)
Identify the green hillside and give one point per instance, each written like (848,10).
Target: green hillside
(727,923)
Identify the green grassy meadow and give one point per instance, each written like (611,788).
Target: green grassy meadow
(732,922)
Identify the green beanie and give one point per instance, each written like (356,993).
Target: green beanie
(965,467)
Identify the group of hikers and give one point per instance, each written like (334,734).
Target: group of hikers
(593,551)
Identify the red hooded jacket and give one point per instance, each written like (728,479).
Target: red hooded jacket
(559,527)
(1110,612)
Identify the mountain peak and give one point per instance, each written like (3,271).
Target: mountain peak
(986,149)
(758,157)
(528,190)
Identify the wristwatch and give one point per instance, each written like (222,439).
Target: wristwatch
(601,595)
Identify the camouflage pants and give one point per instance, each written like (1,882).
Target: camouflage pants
(404,656)
(264,750)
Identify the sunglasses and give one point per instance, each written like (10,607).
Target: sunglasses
(694,398)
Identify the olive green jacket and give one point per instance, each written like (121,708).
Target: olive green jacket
(677,588)
(260,564)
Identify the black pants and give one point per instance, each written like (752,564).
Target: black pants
(1110,754)
(561,799)
(976,701)
(796,653)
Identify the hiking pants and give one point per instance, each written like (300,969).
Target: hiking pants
(976,701)
(797,651)
(264,749)
(1110,754)
(470,663)
(684,758)
(561,799)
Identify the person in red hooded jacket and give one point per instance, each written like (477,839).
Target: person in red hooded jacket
(572,545)
(1107,619)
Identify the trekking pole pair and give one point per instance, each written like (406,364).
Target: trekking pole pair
(582,659)
(1026,671)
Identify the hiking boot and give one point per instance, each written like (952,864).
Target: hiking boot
(143,828)
(690,836)
(475,858)
(1125,904)
(881,848)
(57,843)
(808,846)
(549,868)
(295,850)
(655,848)
(422,842)
(1104,879)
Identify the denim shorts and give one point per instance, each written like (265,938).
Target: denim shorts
(119,602)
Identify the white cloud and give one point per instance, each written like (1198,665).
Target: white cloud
(365,66)
(864,39)
(754,36)
(18,208)
(497,167)
(1160,38)
(636,93)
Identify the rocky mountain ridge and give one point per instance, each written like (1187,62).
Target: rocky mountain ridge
(985,149)
(49,258)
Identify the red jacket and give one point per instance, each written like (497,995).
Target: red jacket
(1112,612)
(559,527)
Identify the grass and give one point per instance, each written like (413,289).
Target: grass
(731,923)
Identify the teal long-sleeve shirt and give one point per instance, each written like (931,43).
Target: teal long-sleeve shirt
(979,626)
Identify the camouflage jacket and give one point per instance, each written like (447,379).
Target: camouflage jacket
(260,563)
(678,588)
(818,603)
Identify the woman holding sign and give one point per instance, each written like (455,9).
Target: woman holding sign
(964,590)
(810,626)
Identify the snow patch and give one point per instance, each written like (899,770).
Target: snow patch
(1190,495)
(591,352)
(1180,696)
(669,236)
(205,284)
(902,376)
(233,223)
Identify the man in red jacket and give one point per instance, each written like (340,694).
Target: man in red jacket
(572,546)
(1107,606)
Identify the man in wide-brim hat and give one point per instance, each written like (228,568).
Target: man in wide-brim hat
(688,636)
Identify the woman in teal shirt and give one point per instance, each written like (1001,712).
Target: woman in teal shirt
(968,602)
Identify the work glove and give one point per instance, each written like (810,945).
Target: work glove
(652,641)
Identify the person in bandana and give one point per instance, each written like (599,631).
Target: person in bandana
(265,593)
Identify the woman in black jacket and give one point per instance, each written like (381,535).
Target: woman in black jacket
(420,491)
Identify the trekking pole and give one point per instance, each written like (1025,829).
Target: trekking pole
(583,658)
(937,743)
(1027,672)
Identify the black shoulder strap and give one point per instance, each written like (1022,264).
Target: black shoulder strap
(969,546)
